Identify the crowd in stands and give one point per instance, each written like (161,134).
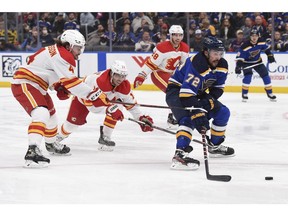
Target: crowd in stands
(140,31)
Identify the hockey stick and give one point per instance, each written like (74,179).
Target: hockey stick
(153,126)
(251,66)
(165,130)
(224,178)
(157,106)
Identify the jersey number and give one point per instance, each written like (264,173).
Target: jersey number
(194,80)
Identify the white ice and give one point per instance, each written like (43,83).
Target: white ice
(137,171)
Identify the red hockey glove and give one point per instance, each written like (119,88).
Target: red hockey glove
(148,123)
(139,80)
(62,92)
(114,111)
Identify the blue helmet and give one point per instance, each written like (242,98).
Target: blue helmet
(212,43)
(254,31)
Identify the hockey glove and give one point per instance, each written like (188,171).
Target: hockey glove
(200,120)
(239,67)
(238,70)
(148,123)
(93,95)
(114,111)
(271,58)
(62,92)
(139,79)
(209,103)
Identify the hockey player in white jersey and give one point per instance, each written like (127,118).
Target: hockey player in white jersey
(51,67)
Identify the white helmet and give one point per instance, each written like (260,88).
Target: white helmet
(119,67)
(73,37)
(176,29)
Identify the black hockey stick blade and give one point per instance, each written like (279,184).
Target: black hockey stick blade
(223,178)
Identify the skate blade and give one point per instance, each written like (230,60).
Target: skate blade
(105,148)
(59,154)
(180,166)
(220,155)
(32,164)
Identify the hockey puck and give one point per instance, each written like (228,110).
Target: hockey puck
(268,178)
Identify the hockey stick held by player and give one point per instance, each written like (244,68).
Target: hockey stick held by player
(114,86)
(199,82)
(51,67)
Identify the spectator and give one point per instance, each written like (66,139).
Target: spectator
(126,37)
(192,28)
(45,38)
(268,34)
(137,21)
(207,29)
(259,25)
(104,40)
(124,19)
(58,25)
(285,32)
(239,20)
(44,22)
(145,44)
(226,31)
(140,30)
(6,46)
(87,19)
(31,43)
(246,28)
(71,23)
(196,44)
(95,37)
(236,43)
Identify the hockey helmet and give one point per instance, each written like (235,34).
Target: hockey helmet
(119,67)
(74,38)
(176,29)
(212,43)
(254,31)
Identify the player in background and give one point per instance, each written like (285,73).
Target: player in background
(199,83)
(114,86)
(249,55)
(166,56)
(51,67)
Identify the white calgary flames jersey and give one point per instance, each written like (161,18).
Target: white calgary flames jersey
(166,58)
(49,65)
(122,92)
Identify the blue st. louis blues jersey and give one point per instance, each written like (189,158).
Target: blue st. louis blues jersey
(196,76)
(249,53)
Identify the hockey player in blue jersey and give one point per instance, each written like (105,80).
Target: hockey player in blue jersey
(199,83)
(249,55)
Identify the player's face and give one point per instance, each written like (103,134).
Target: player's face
(176,39)
(254,38)
(76,51)
(214,57)
(117,79)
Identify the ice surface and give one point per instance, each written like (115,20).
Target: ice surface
(137,171)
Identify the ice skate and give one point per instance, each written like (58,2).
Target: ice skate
(181,161)
(34,158)
(244,98)
(272,97)
(57,148)
(218,151)
(105,144)
(172,122)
